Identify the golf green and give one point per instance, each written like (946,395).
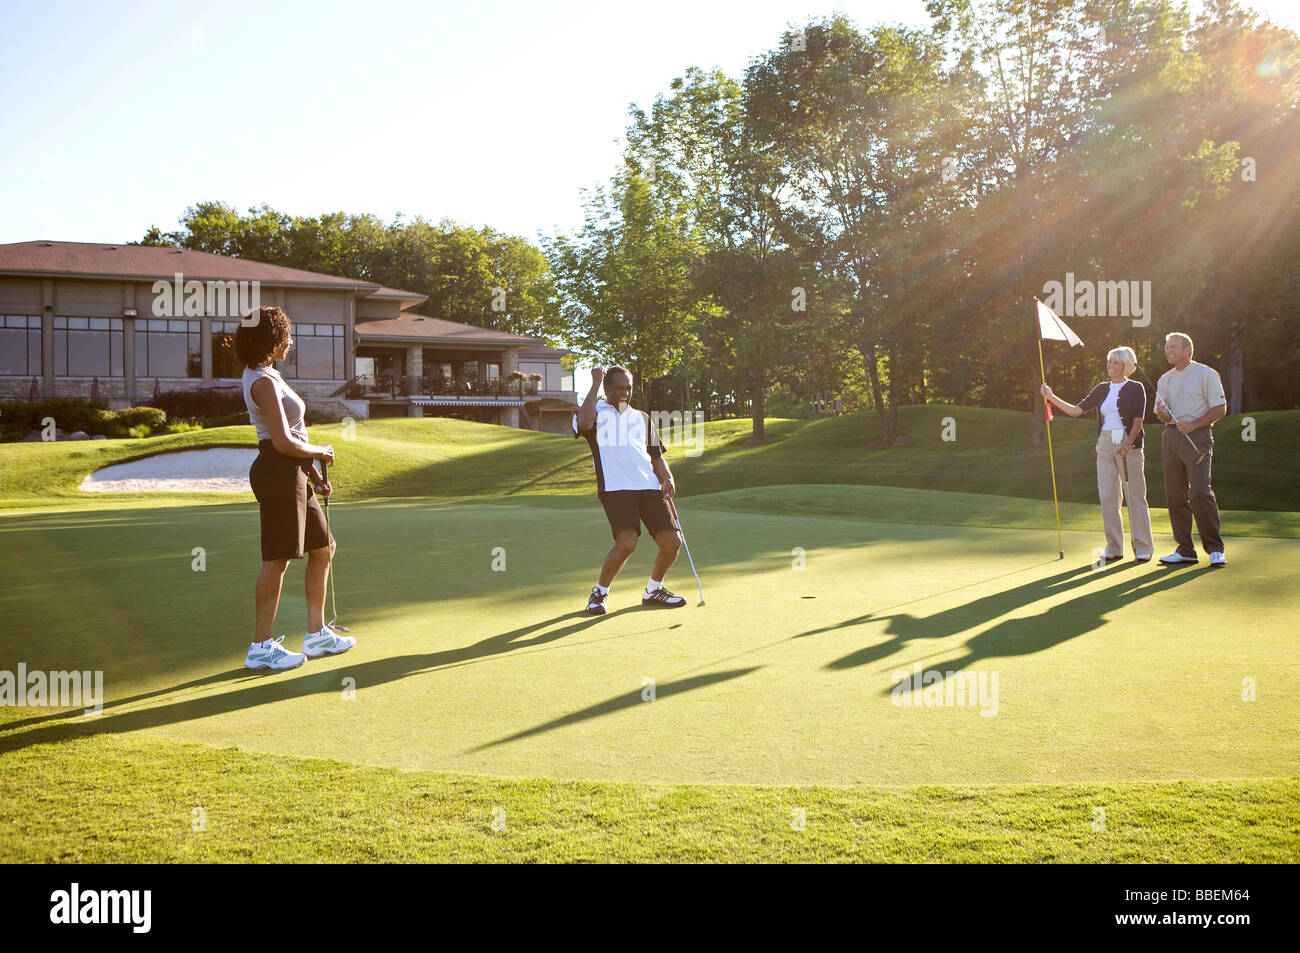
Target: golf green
(475,653)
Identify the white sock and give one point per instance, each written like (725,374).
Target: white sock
(603,590)
(653,584)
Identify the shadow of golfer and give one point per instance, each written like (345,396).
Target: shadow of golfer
(197,683)
(271,687)
(1061,623)
(904,628)
(620,702)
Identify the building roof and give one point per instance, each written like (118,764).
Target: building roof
(420,329)
(408,298)
(544,352)
(148,262)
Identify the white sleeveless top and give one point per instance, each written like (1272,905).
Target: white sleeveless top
(294,406)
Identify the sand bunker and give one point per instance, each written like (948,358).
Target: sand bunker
(217,470)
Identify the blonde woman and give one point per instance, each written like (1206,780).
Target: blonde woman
(1120,404)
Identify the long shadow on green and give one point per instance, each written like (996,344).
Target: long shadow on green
(620,702)
(1060,623)
(274,687)
(905,627)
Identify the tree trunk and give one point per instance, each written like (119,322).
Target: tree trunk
(891,433)
(873,377)
(756,406)
(1036,404)
(1236,364)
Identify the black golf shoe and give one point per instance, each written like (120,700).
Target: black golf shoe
(663,599)
(596,604)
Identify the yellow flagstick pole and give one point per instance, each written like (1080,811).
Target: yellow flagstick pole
(1050,459)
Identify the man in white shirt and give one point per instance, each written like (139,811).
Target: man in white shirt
(633,483)
(1189,399)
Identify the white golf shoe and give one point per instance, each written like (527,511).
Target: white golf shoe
(326,642)
(1176,558)
(1218,559)
(273,655)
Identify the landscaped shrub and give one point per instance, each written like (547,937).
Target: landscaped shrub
(153,417)
(118,423)
(184,426)
(69,413)
(229,420)
(184,404)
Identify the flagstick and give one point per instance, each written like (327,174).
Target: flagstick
(1050,459)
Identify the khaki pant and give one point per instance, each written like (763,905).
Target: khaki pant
(1111,489)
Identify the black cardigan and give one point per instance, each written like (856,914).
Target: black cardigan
(1132,405)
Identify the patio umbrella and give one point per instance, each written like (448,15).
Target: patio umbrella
(157,389)
(94,388)
(36,390)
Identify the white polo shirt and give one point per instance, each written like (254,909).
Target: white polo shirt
(623,448)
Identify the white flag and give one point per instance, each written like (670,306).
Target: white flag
(1052,328)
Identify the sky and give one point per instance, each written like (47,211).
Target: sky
(117,116)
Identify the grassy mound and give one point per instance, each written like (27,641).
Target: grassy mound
(447,458)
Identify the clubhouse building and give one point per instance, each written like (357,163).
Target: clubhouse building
(123,322)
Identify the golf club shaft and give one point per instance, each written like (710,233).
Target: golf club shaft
(329,531)
(681,532)
(1169,410)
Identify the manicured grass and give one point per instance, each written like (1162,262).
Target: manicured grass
(150,796)
(455,459)
(1129,673)
(645,734)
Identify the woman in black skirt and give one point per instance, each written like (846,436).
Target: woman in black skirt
(286,484)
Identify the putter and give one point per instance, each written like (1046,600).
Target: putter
(334,611)
(1171,414)
(682,534)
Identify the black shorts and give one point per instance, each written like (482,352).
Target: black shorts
(292,521)
(627,509)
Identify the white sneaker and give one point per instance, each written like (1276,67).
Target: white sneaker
(273,655)
(1218,559)
(326,642)
(1174,558)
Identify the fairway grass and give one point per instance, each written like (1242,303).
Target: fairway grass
(454,459)
(119,800)
(481,692)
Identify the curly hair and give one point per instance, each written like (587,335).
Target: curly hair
(260,335)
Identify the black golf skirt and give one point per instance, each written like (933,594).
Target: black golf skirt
(292,521)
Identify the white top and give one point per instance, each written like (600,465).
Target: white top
(623,446)
(1191,392)
(294,406)
(1110,419)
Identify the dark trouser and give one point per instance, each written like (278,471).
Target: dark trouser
(1187,489)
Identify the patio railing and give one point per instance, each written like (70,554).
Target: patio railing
(395,386)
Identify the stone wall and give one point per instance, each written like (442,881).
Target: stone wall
(113,390)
